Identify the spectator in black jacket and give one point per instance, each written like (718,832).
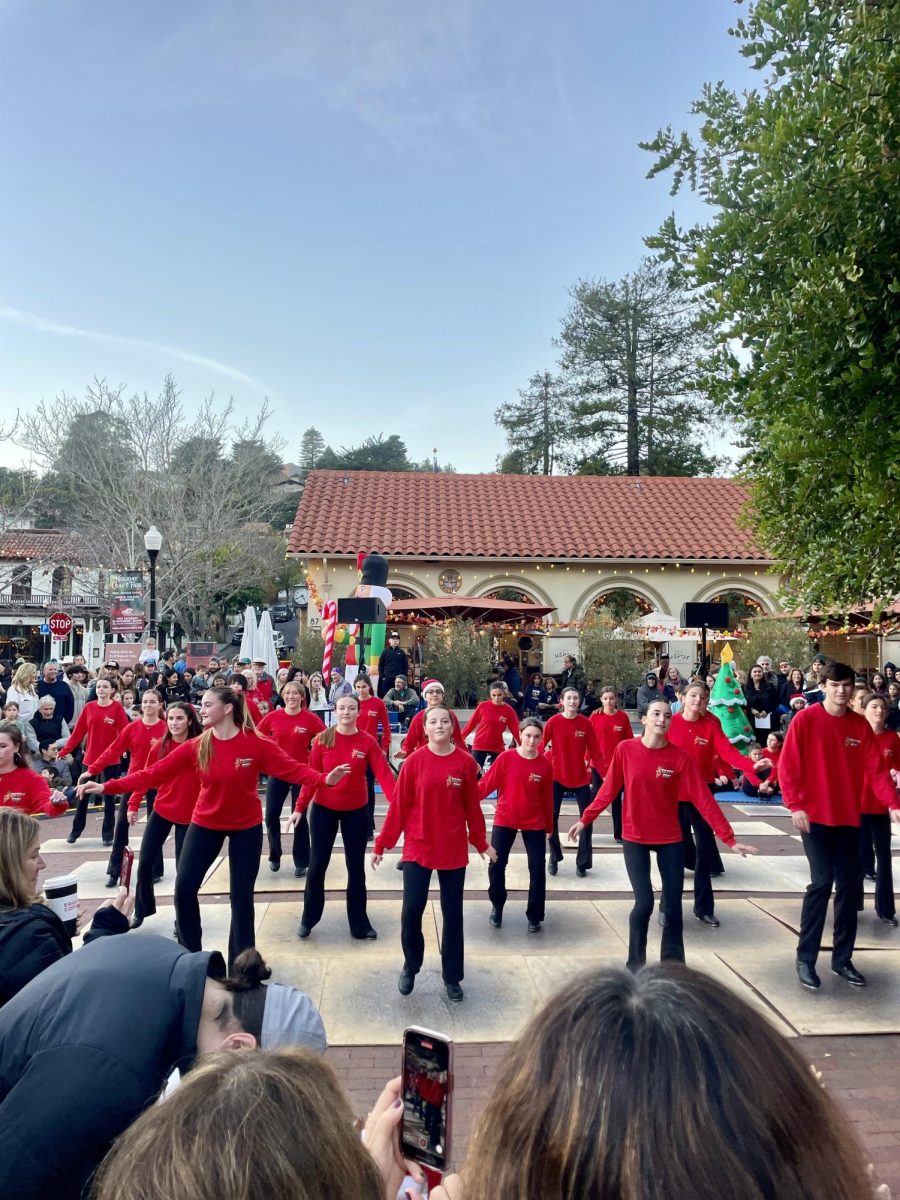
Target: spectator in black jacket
(32,937)
(53,684)
(89,1043)
(391,663)
(572,676)
(651,689)
(762,700)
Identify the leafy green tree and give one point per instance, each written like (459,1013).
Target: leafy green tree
(629,351)
(797,274)
(377,453)
(312,446)
(781,638)
(537,425)
(612,649)
(459,654)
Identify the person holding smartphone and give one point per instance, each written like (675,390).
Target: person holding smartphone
(655,775)
(436,808)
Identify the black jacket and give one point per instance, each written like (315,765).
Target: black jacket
(62,694)
(33,938)
(84,1048)
(391,663)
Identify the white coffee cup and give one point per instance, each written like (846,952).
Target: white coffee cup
(62,896)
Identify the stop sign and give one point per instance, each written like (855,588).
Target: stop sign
(60,624)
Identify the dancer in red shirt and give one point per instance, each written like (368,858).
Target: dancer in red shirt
(172,808)
(140,741)
(875,817)
(655,775)
(699,734)
(523,778)
(344,807)
(436,809)
(101,721)
(293,729)
(611,725)
(227,759)
(489,722)
(20,787)
(830,754)
(432,694)
(372,714)
(573,743)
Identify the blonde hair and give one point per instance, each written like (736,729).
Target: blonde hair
(18,831)
(329,737)
(245,1127)
(24,678)
(239,714)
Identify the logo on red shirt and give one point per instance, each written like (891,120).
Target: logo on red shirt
(701,741)
(15,797)
(851,743)
(243,762)
(534,777)
(579,733)
(454,781)
(664,773)
(357,754)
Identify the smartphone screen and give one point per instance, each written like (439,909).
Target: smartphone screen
(127,864)
(427,1089)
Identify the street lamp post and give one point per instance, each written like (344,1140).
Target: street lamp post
(153,544)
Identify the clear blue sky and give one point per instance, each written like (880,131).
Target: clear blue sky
(369,210)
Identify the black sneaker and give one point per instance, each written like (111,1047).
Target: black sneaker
(580,872)
(849,972)
(72,839)
(406,982)
(303,931)
(454,992)
(274,864)
(496,918)
(552,867)
(299,872)
(889,920)
(369,936)
(534,927)
(806,973)
(111,881)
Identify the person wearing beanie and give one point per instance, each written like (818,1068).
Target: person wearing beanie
(89,1043)
(403,699)
(432,694)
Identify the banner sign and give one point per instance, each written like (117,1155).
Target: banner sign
(126,612)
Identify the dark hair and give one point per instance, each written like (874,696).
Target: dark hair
(152,692)
(838,672)
(246,986)
(775,733)
(662,1083)
(531,723)
(194,727)
(240,679)
(566,691)
(15,735)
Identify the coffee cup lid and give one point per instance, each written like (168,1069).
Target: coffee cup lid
(60,881)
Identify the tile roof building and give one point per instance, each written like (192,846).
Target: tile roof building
(562,541)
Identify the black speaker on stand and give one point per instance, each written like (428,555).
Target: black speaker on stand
(704,616)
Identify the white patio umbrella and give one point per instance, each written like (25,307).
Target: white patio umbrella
(264,645)
(248,641)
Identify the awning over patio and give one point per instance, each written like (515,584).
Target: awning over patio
(468,608)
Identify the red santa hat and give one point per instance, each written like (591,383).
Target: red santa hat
(432,683)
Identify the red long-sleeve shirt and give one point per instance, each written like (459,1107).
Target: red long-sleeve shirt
(524,790)
(294,734)
(888,743)
(436,808)
(654,782)
(359,750)
(137,739)
(573,740)
(100,724)
(415,735)
(702,740)
(176,798)
(489,722)
(826,762)
(372,713)
(227,796)
(610,729)
(28,792)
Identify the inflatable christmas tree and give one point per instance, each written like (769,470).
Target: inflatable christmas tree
(728,702)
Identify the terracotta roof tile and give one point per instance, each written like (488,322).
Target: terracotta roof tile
(44,545)
(417,514)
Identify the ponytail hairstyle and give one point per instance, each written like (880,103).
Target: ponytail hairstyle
(21,756)
(531,723)
(246,988)
(235,701)
(194,728)
(328,738)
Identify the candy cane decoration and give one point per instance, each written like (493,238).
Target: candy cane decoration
(329,616)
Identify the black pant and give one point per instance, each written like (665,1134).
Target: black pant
(156,831)
(670,860)
(502,838)
(323,827)
(370,789)
(615,808)
(584,857)
(833,854)
(109,808)
(704,899)
(198,852)
(875,830)
(416,881)
(120,837)
(276,794)
(485,757)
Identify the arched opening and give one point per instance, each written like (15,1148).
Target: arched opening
(516,594)
(403,593)
(622,604)
(741,607)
